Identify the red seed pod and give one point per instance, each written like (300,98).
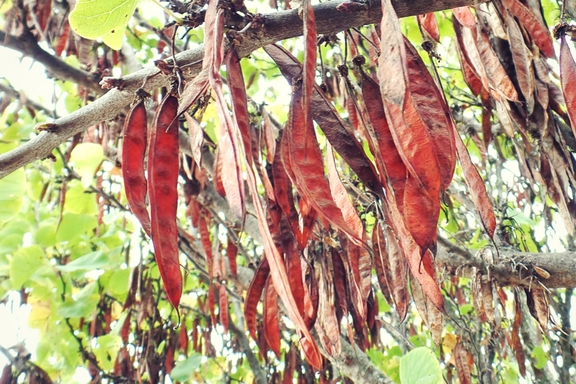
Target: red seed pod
(133,152)
(163,166)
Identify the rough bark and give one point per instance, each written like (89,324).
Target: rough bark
(512,267)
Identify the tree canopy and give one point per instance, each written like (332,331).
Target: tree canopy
(334,192)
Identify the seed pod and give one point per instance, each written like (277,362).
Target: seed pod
(133,152)
(163,165)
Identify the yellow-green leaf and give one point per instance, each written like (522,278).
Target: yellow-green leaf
(24,263)
(12,188)
(94,19)
(86,158)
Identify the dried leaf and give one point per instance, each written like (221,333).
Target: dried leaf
(464,16)
(381,263)
(478,300)
(539,307)
(196,138)
(487,297)
(497,76)
(476,187)
(338,133)
(271,318)
(538,32)
(327,322)
(231,253)
(520,56)
(420,262)
(235,82)
(430,314)
(466,40)
(568,79)
(429,24)
(515,341)
(463,369)
(434,112)
(279,275)
(206,243)
(387,155)
(269,136)
(306,161)
(253,294)
(223,306)
(310,53)
(340,195)
(391,63)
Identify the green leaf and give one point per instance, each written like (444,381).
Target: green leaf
(10,243)
(107,350)
(35,184)
(510,376)
(86,158)
(389,363)
(46,234)
(5,6)
(84,304)
(24,263)
(73,225)
(466,309)
(120,282)
(87,262)
(519,217)
(184,369)
(106,19)
(540,356)
(420,366)
(72,102)
(12,188)
(78,200)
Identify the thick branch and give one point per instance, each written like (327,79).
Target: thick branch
(277,26)
(512,267)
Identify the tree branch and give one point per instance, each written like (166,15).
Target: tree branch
(10,92)
(259,375)
(355,364)
(55,66)
(277,26)
(512,267)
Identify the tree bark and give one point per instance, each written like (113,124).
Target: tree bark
(277,26)
(511,267)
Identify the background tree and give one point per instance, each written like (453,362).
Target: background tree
(310,213)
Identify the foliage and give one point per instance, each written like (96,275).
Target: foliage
(218,230)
